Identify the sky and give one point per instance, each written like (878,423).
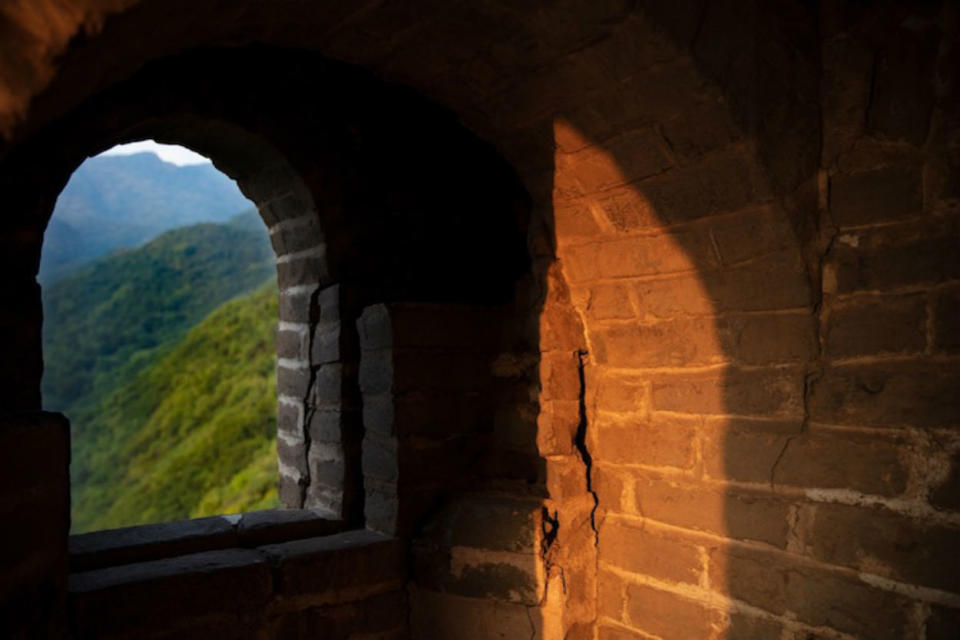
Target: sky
(172,153)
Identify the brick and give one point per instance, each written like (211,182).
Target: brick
(748,515)
(449,616)
(821,598)
(947,494)
(477,574)
(630,156)
(609,302)
(507,525)
(292,382)
(639,256)
(765,392)
(126,597)
(639,550)
(878,541)
(751,233)
(816,459)
(908,254)
(768,338)
(574,221)
(775,281)
(295,234)
(609,486)
(626,208)
(295,306)
(619,394)
(946,325)
(664,441)
(717,183)
(747,339)
(611,594)
(686,341)
(667,615)
(334,568)
(304,270)
(878,324)
(559,376)
(915,393)
(292,344)
(881,195)
(754,576)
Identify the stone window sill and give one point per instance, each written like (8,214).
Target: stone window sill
(144,543)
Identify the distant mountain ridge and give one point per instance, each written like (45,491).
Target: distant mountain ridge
(114,202)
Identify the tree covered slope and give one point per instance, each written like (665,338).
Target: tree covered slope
(192,434)
(113,315)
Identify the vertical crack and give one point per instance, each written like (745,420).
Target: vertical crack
(580,441)
(309,408)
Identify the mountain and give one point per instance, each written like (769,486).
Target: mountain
(189,435)
(114,202)
(116,314)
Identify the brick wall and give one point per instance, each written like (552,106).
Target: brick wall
(736,366)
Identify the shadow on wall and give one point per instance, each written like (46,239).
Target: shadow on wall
(761,429)
(717,397)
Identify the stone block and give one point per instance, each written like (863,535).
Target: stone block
(498,524)
(574,221)
(477,573)
(773,392)
(632,155)
(344,567)
(888,394)
(751,233)
(816,459)
(292,344)
(663,441)
(609,301)
(669,615)
(170,592)
(293,382)
(880,542)
(881,195)
(142,543)
(295,306)
(632,256)
(826,599)
(878,324)
(644,551)
(300,270)
(734,513)
(947,494)
(899,255)
(719,182)
(755,576)
(294,234)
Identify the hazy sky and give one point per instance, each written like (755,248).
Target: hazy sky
(172,153)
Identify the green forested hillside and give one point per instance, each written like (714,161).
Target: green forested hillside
(116,314)
(192,434)
(163,359)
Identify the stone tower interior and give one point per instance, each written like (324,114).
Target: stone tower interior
(607,320)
